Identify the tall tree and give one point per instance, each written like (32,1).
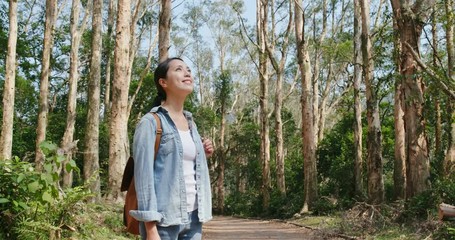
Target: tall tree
(374,135)
(6,137)
(91,152)
(261,25)
(449,161)
(279,65)
(108,55)
(410,17)
(164,29)
(358,161)
(68,136)
(120,86)
(308,139)
(51,15)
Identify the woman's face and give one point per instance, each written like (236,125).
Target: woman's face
(178,79)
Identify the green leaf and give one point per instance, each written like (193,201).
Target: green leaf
(4,200)
(60,158)
(20,178)
(48,167)
(23,205)
(47,197)
(34,186)
(48,147)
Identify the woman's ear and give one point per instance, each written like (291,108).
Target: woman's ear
(162,82)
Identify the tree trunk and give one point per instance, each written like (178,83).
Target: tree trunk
(118,125)
(374,138)
(108,54)
(449,160)
(399,170)
(437,103)
(222,162)
(51,11)
(279,67)
(6,138)
(410,21)
(91,152)
(164,29)
(68,136)
(358,161)
(263,101)
(308,139)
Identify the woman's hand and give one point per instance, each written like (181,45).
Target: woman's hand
(152,231)
(208,147)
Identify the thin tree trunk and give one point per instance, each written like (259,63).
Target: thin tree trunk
(358,161)
(308,140)
(263,101)
(222,162)
(164,29)
(417,155)
(315,76)
(108,54)
(118,147)
(6,138)
(68,136)
(51,11)
(449,160)
(437,104)
(279,67)
(374,139)
(91,152)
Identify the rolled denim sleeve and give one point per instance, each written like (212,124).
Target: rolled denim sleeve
(143,153)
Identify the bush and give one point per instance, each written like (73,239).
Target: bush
(32,205)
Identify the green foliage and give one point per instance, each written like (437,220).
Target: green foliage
(335,165)
(31,202)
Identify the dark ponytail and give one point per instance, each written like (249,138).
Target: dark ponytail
(161,72)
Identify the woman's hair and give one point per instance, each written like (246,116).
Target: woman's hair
(161,72)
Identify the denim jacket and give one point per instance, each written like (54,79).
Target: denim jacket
(160,184)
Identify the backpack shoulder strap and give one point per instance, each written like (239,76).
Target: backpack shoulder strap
(159,132)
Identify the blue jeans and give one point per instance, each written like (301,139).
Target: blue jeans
(189,231)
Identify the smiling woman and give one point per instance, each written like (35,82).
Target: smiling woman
(173,191)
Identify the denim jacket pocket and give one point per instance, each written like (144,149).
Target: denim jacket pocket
(167,144)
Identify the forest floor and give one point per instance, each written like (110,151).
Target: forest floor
(104,222)
(227,228)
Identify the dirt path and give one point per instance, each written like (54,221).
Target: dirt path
(223,228)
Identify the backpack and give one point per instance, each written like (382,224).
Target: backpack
(131,224)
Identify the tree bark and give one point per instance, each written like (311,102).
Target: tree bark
(91,152)
(308,139)
(399,170)
(68,136)
(410,20)
(164,29)
(374,138)
(263,101)
(51,11)
(118,125)
(6,138)
(358,161)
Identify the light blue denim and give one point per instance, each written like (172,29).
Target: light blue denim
(189,231)
(160,184)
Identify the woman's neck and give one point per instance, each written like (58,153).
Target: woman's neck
(173,106)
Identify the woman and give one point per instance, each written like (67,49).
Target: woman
(173,190)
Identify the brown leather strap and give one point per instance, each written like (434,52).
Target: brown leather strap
(159,132)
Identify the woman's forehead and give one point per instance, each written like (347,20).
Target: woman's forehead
(177,62)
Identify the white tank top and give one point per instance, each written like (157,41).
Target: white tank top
(189,171)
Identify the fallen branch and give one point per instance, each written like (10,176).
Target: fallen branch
(446,212)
